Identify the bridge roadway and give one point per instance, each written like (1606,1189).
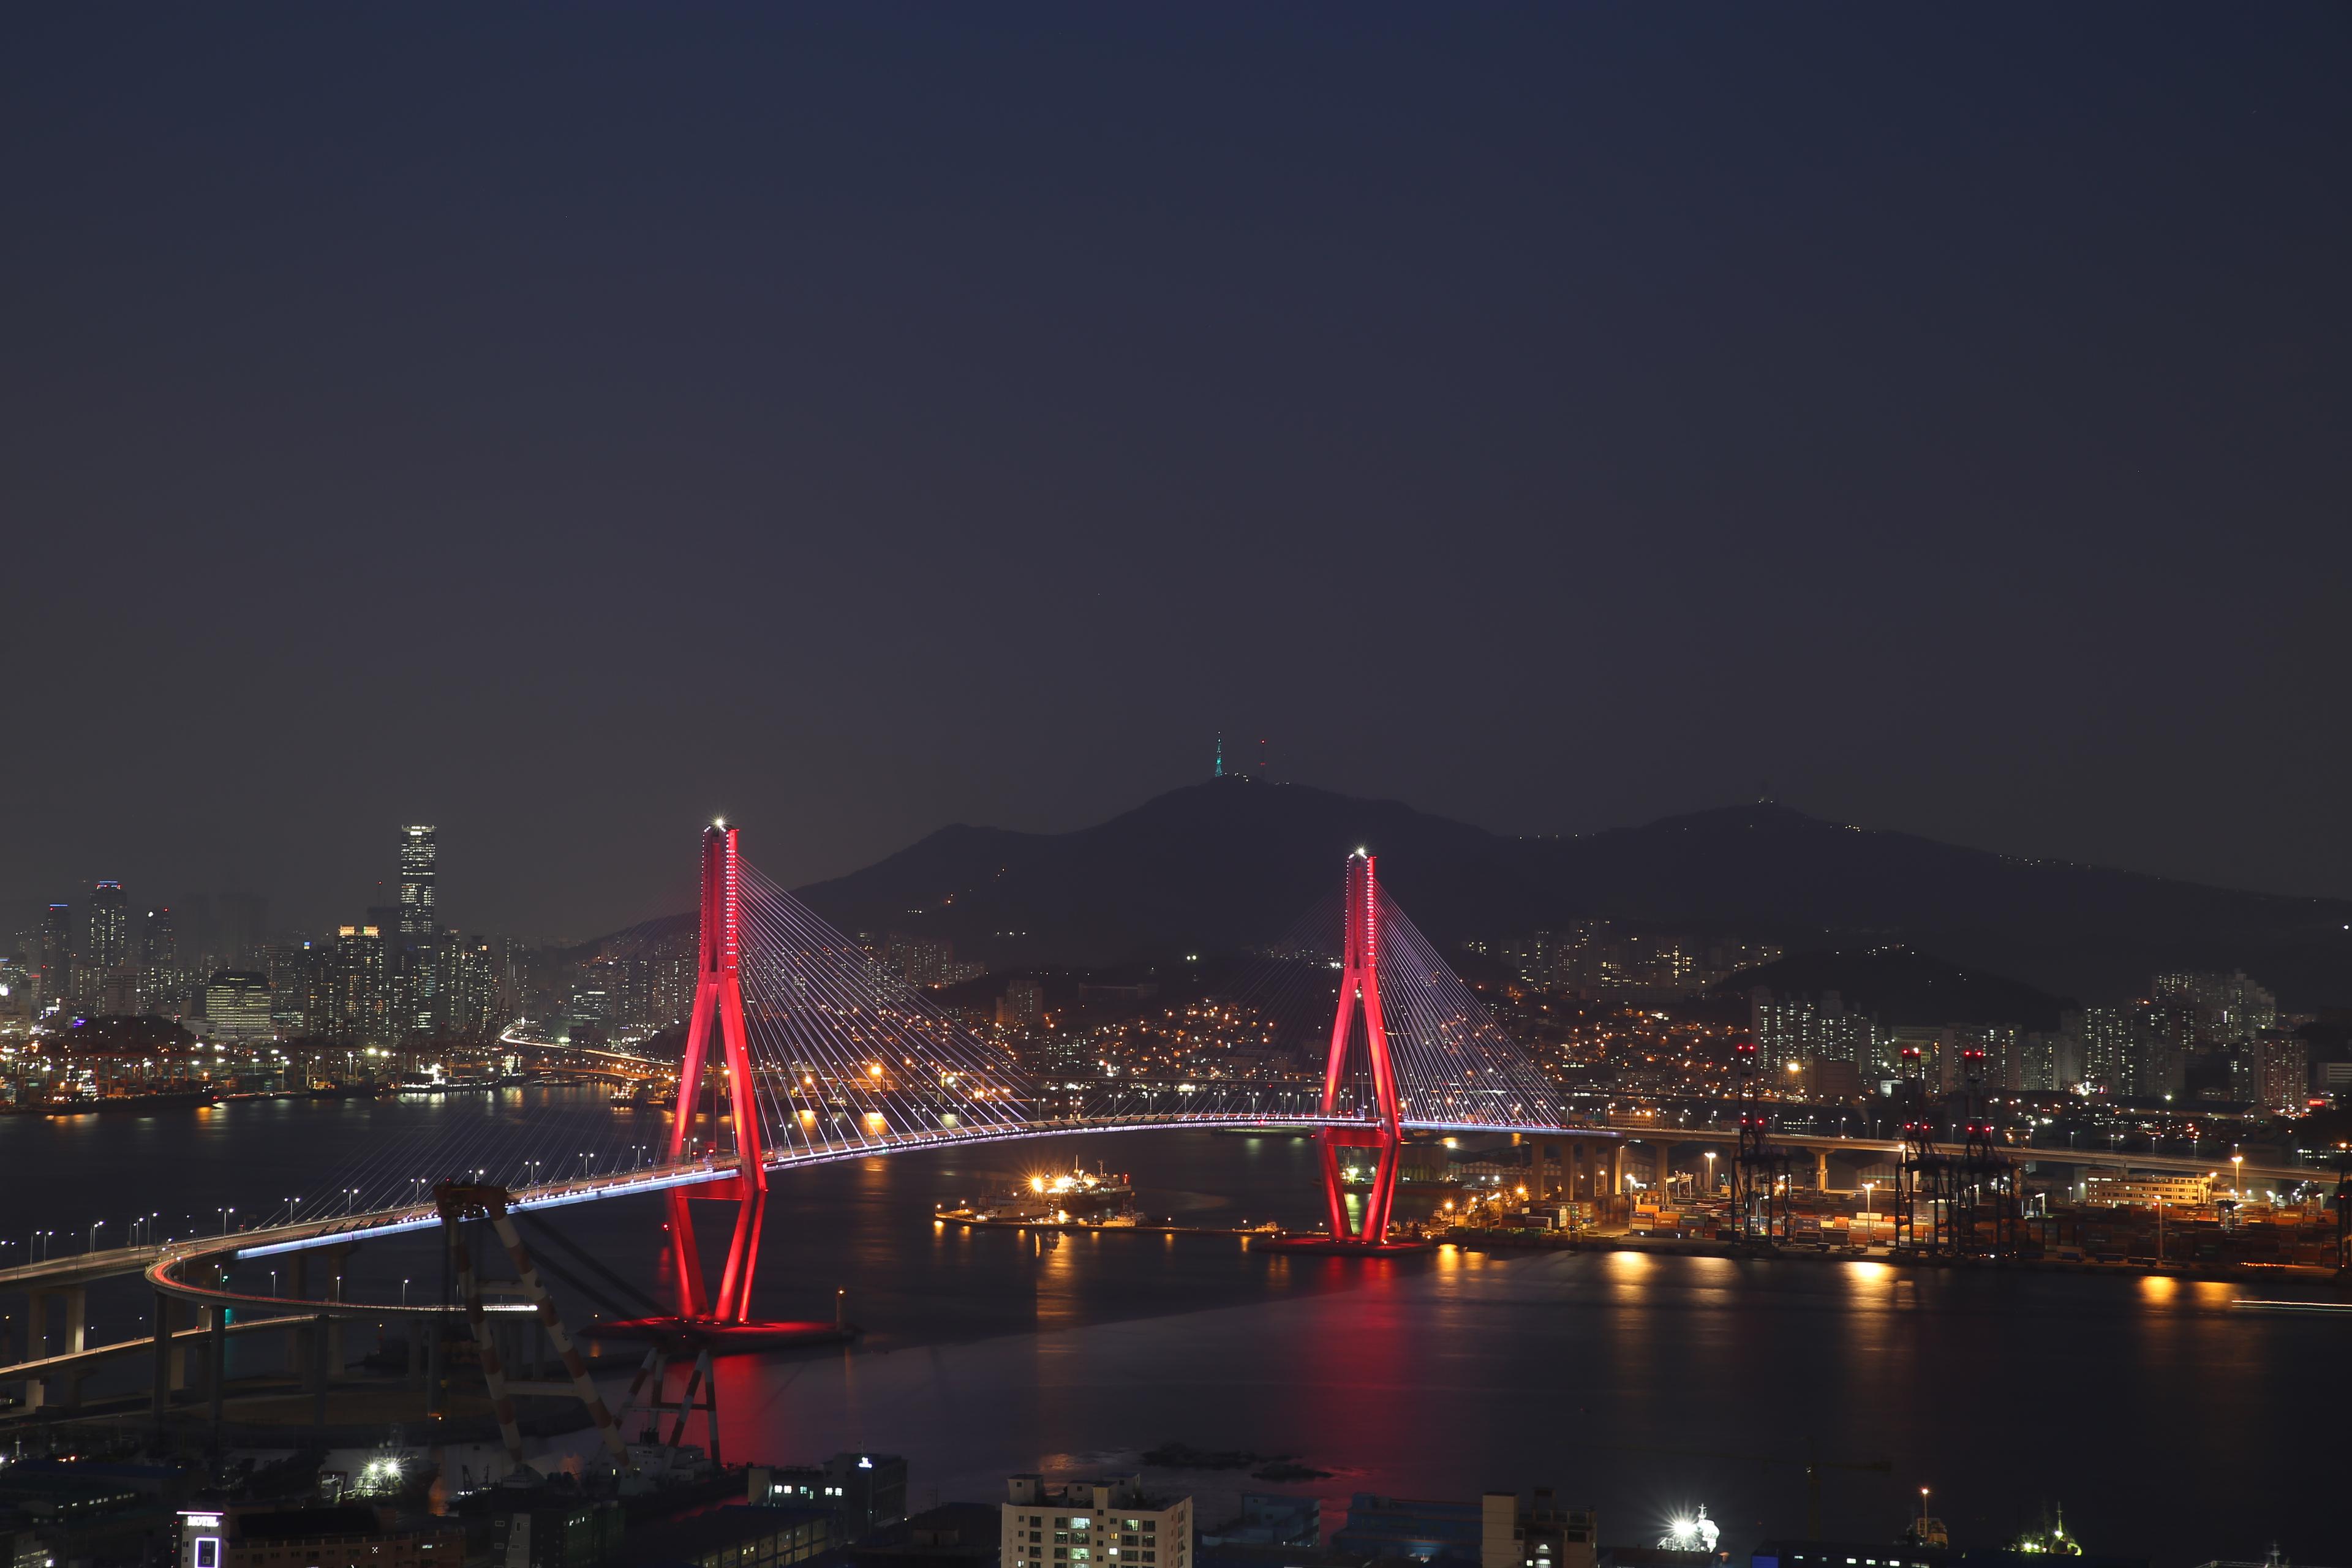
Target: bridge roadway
(168,1266)
(2023,1153)
(175,1268)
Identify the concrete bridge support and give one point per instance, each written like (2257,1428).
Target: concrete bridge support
(217,1363)
(171,1365)
(317,1341)
(71,1324)
(1574,1170)
(321,1345)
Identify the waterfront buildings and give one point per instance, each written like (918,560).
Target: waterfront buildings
(342,1536)
(2105,1188)
(1107,1523)
(865,1491)
(739,1537)
(1539,1534)
(238,1006)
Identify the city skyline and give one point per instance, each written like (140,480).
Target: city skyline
(1570,778)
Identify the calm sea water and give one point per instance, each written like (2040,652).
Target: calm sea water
(2167,1421)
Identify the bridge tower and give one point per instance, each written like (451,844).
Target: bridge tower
(719,1010)
(1360,995)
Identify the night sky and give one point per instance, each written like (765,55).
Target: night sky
(562,424)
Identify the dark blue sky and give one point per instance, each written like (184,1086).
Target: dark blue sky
(564,423)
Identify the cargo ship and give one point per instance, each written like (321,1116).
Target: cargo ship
(1076,1196)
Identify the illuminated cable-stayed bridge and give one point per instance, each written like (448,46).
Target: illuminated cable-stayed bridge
(801,1049)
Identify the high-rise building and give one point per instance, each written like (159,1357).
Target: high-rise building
(472,984)
(54,963)
(2282,1073)
(348,999)
(16,996)
(2169,1033)
(417,855)
(108,947)
(159,946)
(2140,1051)
(2049,1061)
(416,976)
(1022,1005)
(1794,1028)
(2002,1067)
(923,960)
(238,1006)
(161,991)
(294,970)
(2227,1007)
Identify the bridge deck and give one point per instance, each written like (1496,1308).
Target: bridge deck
(165,1265)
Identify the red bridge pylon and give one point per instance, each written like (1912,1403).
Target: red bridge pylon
(718,1004)
(1381,1133)
(717,1321)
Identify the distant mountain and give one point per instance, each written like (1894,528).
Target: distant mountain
(1899,985)
(1213,867)
(1233,862)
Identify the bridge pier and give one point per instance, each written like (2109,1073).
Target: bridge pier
(65,1388)
(1822,1170)
(295,1349)
(433,1406)
(161,1378)
(338,1259)
(321,1342)
(216,1363)
(36,1342)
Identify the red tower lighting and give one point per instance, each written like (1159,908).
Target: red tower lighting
(1360,995)
(718,1001)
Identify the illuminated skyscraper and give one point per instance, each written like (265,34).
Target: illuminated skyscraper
(417,975)
(53,978)
(416,858)
(160,987)
(108,947)
(238,1006)
(348,989)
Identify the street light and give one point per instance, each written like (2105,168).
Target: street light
(2237,1175)
(1710,1170)
(1866,1196)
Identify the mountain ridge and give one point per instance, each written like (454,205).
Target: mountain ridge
(1228,863)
